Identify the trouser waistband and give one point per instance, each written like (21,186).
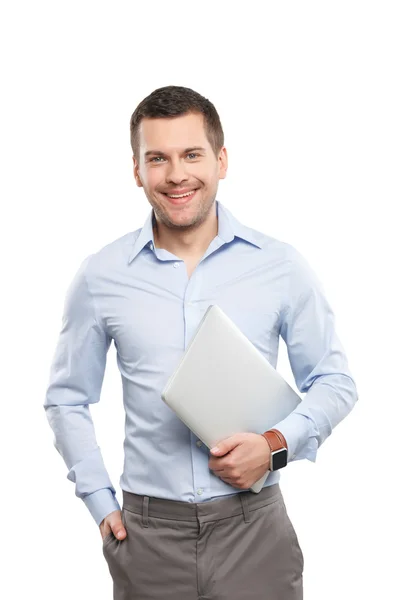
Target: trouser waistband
(242,502)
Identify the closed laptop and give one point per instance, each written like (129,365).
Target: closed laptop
(224,385)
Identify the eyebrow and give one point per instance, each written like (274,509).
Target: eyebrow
(159,153)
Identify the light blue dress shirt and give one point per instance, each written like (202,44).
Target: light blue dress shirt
(140,297)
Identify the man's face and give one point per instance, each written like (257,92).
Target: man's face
(175,157)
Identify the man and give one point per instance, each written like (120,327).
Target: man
(189,526)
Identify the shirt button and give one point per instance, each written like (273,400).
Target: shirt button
(176,264)
(198,443)
(200,491)
(151,247)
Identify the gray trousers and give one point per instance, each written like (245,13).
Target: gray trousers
(242,547)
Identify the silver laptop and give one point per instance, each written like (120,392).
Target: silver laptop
(224,385)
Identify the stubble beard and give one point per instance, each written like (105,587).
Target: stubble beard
(201,214)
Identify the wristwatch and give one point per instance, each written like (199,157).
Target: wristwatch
(278,445)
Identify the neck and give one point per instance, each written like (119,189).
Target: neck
(193,241)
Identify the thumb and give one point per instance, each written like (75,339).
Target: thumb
(224,446)
(119,530)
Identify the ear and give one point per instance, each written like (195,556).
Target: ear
(223,162)
(136,172)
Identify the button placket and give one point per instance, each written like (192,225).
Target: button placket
(191,310)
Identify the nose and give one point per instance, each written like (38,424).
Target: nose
(176,172)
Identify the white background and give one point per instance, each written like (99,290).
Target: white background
(309,100)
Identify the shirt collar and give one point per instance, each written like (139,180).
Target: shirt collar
(228,228)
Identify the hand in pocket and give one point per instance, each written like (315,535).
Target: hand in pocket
(113,523)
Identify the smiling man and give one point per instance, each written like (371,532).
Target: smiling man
(180,181)
(189,527)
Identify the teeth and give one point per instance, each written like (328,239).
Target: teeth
(181,195)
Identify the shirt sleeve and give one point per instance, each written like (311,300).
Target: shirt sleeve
(318,362)
(76,378)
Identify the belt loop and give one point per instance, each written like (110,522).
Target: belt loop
(245,507)
(145,519)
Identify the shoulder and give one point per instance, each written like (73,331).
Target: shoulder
(275,248)
(109,257)
(290,265)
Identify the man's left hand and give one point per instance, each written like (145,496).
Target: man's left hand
(243,458)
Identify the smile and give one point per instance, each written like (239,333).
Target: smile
(180,198)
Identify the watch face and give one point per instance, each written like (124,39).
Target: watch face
(279,459)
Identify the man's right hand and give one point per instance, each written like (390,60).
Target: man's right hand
(113,522)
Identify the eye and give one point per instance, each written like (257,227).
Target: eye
(190,154)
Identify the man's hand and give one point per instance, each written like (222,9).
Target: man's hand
(242,459)
(113,522)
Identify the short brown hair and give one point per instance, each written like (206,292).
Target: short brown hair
(172,101)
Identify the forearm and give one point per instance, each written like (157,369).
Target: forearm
(76,443)
(327,402)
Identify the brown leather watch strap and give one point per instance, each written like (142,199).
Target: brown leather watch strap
(275,439)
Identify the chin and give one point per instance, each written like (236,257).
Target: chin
(184,220)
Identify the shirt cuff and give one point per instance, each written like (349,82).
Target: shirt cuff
(300,435)
(101,503)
